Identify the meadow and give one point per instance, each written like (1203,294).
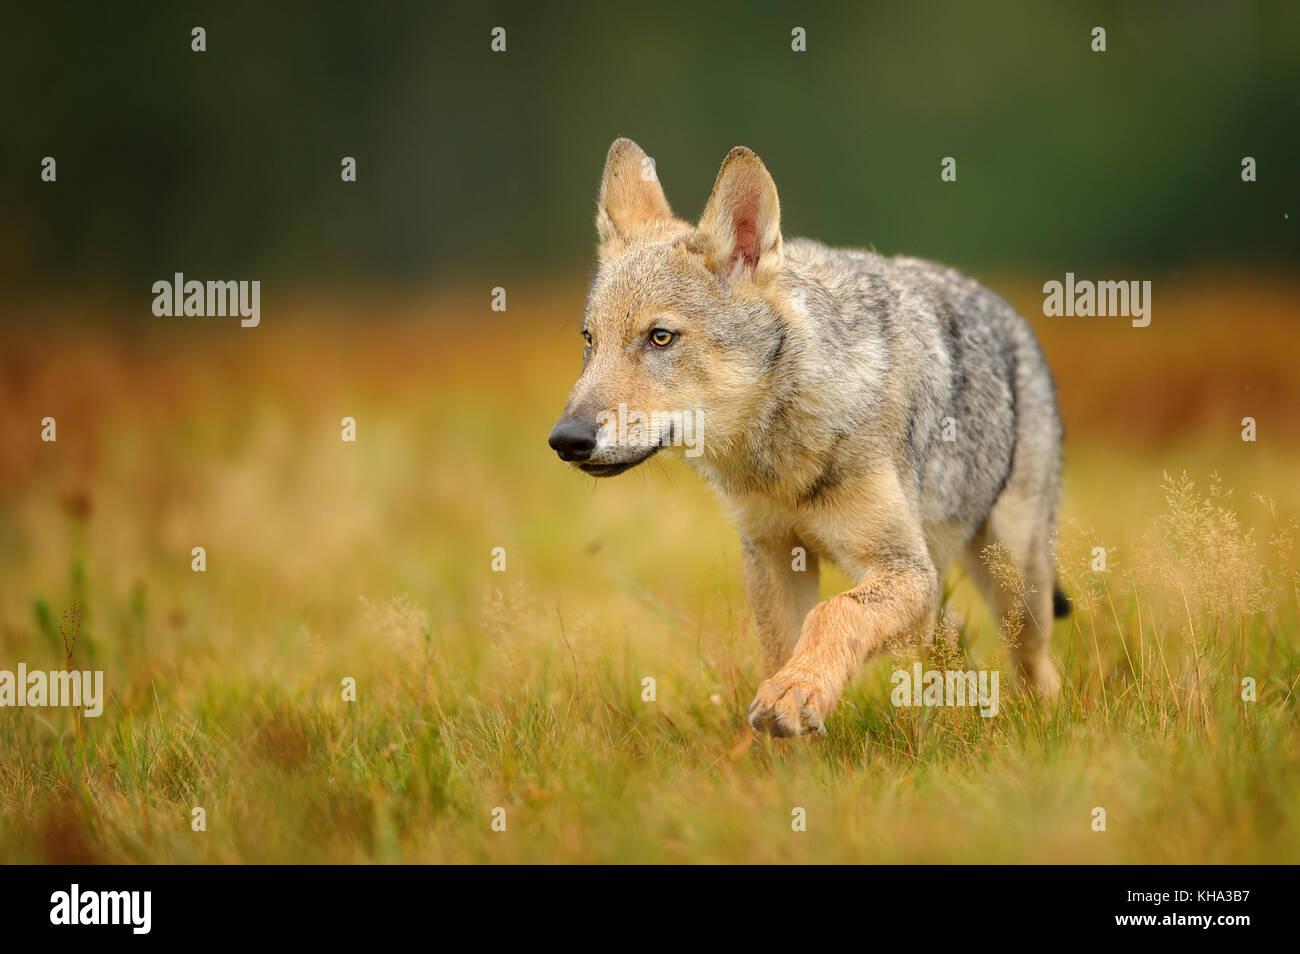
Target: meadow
(482,688)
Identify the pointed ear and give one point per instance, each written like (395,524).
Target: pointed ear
(740,231)
(630,194)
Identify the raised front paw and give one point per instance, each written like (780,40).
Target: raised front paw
(791,703)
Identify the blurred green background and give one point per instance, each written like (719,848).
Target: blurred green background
(474,163)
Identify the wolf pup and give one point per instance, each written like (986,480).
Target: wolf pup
(889,414)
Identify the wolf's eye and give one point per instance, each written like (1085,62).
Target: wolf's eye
(586,336)
(662,337)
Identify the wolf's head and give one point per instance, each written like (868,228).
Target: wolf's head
(683,323)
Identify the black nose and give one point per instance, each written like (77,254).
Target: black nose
(573,438)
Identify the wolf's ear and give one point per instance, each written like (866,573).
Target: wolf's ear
(740,231)
(630,194)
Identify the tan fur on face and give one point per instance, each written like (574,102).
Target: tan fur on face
(659,271)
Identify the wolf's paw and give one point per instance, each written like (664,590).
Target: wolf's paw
(791,703)
(1048,682)
(1039,674)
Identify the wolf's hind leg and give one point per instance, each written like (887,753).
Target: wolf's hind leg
(1017,581)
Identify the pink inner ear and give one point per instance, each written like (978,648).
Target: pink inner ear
(746,243)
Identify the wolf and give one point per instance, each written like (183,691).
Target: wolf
(888,414)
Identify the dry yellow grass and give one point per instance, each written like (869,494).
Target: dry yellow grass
(523,689)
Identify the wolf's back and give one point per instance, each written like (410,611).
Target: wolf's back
(958,384)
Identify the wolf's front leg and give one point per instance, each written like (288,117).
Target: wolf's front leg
(781,576)
(897,595)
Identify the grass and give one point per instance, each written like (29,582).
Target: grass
(523,689)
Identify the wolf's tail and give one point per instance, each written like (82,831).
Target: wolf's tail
(1061,605)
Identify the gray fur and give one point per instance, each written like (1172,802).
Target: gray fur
(938,345)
